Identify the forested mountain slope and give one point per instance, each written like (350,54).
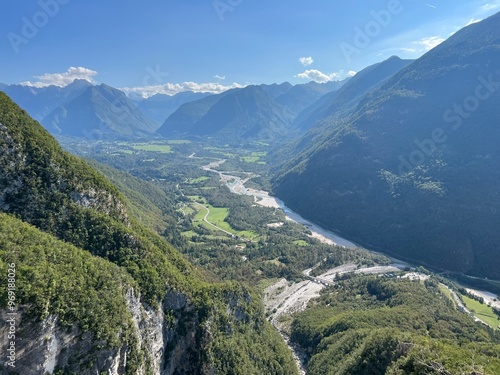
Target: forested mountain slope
(110,295)
(373,325)
(158,107)
(336,102)
(414,170)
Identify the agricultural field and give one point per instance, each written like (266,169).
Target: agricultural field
(254,157)
(151,147)
(213,218)
(198,180)
(482,311)
(178,142)
(158,146)
(223,152)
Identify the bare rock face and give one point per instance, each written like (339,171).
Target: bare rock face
(43,347)
(150,331)
(101,201)
(170,339)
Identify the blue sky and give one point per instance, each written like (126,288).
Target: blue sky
(169,46)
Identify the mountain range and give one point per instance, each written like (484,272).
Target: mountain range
(83,110)
(413,167)
(315,120)
(264,112)
(158,107)
(402,149)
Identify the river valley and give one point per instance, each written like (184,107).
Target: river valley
(284,298)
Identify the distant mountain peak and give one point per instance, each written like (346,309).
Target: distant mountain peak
(79,83)
(100,110)
(394,57)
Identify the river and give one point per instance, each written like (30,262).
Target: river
(237,186)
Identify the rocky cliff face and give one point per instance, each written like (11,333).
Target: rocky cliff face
(170,340)
(44,347)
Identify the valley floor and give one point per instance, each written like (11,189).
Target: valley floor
(232,226)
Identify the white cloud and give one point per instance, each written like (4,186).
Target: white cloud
(306,61)
(351,73)
(483,12)
(175,88)
(422,45)
(318,76)
(222,78)
(431,42)
(490,6)
(62,79)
